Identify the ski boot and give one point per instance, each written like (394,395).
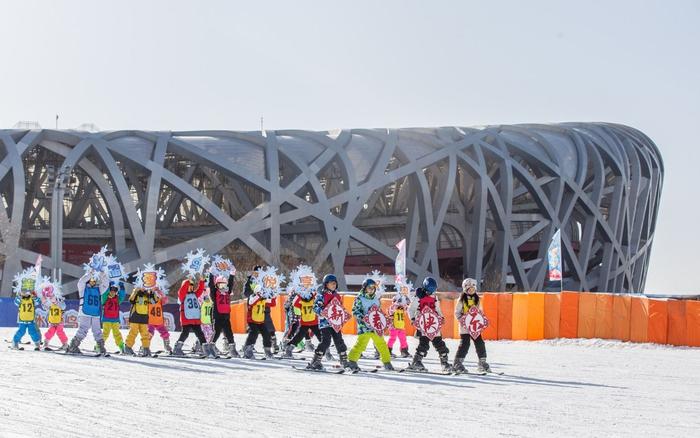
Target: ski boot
(483,367)
(15,346)
(329,355)
(405,353)
(343,358)
(209,351)
(391,353)
(417,363)
(146,352)
(121,347)
(309,346)
(225,345)
(301,346)
(389,367)
(128,350)
(248,352)
(177,351)
(446,367)
(197,349)
(64,347)
(214,349)
(275,345)
(352,366)
(167,347)
(269,353)
(74,347)
(315,363)
(287,353)
(232,350)
(37,346)
(45,344)
(458,366)
(101,348)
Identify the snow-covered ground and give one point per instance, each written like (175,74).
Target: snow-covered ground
(551,388)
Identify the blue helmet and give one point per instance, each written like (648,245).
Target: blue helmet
(430,285)
(368,282)
(328,278)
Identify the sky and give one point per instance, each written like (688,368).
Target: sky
(172,65)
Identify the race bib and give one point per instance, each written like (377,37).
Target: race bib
(55,315)
(155,314)
(307,311)
(399,321)
(257,313)
(26,310)
(223,303)
(91,301)
(207,309)
(191,307)
(111,308)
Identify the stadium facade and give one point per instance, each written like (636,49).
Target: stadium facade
(481,202)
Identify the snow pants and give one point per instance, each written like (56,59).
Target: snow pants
(424,344)
(258,329)
(24,327)
(463,348)
(303,332)
(86,323)
(361,345)
(328,335)
(113,328)
(222,324)
(56,329)
(399,334)
(140,329)
(208,331)
(191,328)
(162,331)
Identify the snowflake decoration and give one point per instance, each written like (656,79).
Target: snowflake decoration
(25,280)
(379,279)
(98,261)
(48,290)
(269,282)
(222,267)
(404,288)
(195,262)
(150,277)
(303,281)
(114,269)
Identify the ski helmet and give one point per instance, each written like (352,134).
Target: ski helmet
(369,282)
(468,283)
(430,285)
(328,278)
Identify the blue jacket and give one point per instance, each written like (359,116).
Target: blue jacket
(362,304)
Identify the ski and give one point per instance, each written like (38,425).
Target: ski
(10,347)
(331,371)
(21,343)
(302,359)
(433,373)
(185,356)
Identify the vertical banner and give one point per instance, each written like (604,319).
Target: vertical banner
(554,258)
(400,264)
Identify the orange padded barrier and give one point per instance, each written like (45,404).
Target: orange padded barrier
(489,304)
(676,323)
(568,322)
(586,315)
(692,318)
(621,317)
(520,316)
(277,313)
(505,316)
(604,316)
(238,317)
(639,319)
(350,327)
(535,316)
(448,311)
(657,329)
(552,306)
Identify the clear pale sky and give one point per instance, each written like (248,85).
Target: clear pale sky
(170,65)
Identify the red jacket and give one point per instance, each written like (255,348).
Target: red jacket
(181,295)
(427,301)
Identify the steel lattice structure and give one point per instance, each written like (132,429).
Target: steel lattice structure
(482,202)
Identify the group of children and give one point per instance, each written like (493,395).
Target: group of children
(205,312)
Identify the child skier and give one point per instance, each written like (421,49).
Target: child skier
(90,310)
(256,325)
(467,300)
(425,298)
(111,300)
(56,306)
(156,320)
(27,303)
(397,316)
(304,319)
(363,303)
(328,292)
(190,314)
(206,320)
(138,321)
(221,294)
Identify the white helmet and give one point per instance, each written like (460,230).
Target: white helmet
(468,283)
